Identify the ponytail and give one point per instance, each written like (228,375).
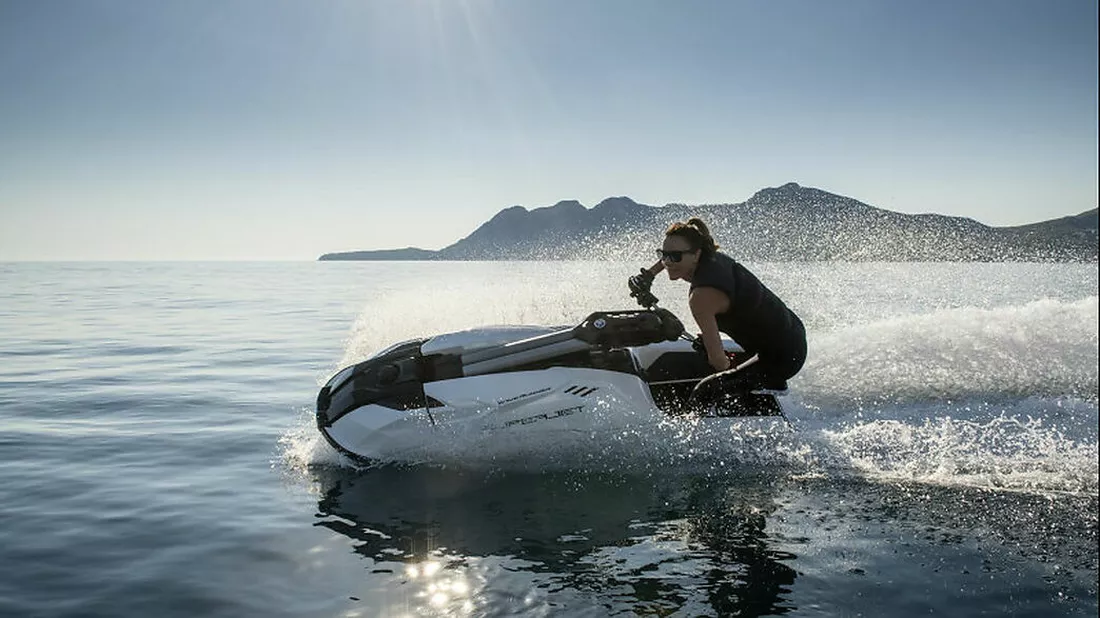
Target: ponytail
(695,232)
(707,243)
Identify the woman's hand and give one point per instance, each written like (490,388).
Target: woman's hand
(639,286)
(640,282)
(719,361)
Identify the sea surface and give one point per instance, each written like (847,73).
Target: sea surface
(158,454)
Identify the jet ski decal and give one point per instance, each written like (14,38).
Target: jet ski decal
(501,402)
(581,391)
(544,417)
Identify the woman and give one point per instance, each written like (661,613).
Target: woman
(724,296)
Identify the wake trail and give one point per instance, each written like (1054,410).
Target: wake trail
(1044,348)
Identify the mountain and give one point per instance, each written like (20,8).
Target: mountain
(406,254)
(786,223)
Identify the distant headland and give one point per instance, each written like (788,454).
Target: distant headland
(786,223)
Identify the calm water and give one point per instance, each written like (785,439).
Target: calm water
(159,458)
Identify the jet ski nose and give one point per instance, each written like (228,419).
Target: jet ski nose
(324,400)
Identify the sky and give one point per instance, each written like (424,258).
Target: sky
(280,130)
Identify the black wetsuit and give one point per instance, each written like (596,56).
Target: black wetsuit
(757,320)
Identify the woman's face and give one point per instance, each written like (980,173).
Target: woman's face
(678,257)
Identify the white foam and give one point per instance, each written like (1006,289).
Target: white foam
(302,446)
(1002,453)
(1047,347)
(467,301)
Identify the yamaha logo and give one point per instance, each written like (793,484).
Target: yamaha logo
(600,323)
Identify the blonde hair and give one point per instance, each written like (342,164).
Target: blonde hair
(696,233)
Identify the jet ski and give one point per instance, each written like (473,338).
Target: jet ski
(631,366)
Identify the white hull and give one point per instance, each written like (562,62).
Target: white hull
(545,402)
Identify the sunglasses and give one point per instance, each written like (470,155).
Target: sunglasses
(671,256)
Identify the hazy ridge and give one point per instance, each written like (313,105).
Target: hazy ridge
(787,223)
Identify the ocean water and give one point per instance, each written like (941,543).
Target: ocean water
(158,455)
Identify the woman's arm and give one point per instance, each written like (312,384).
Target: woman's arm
(706,303)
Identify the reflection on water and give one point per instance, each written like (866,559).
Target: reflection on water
(571,542)
(463,542)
